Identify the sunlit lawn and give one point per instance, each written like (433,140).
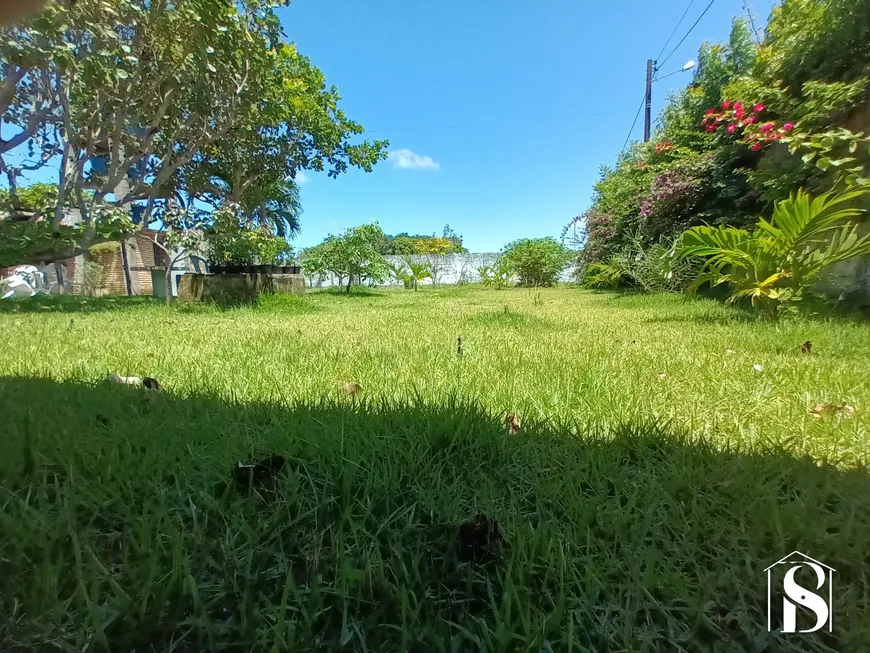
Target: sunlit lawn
(668,454)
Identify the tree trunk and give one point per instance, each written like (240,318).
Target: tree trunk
(349,281)
(168,287)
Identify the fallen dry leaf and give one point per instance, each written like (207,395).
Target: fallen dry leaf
(730,351)
(662,377)
(512,422)
(807,347)
(757,368)
(825,409)
(351,388)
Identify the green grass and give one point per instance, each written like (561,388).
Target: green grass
(638,514)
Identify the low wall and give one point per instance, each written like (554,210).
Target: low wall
(232,288)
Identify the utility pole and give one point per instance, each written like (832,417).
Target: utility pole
(650,69)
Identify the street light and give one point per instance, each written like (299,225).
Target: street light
(651,70)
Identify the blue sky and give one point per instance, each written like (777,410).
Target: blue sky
(495,98)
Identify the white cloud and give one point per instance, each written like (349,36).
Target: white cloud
(301,178)
(410,160)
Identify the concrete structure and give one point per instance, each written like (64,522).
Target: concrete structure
(237,288)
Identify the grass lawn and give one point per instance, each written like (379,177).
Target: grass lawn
(667,456)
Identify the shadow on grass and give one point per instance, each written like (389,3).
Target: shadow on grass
(356,292)
(115,535)
(76,304)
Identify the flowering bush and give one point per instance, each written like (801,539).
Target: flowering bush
(673,199)
(745,124)
(600,228)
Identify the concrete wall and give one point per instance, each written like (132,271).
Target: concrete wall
(234,288)
(450,269)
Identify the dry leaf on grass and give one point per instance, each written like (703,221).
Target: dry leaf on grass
(757,368)
(807,347)
(512,422)
(351,388)
(662,377)
(824,410)
(730,351)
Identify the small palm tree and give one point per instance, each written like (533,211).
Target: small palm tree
(779,259)
(418,271)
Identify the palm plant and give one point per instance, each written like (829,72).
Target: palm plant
(400,273)
(779,259)
(418,271)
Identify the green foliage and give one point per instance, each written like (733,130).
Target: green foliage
(204,98)
(92,277)
(816,40)
(603,275)
(497,278)
(779,260)
(536,261)
(418,272)
(37,198)
(647,268)
(228,241)
(38,241)
(719,155)
(351,255)
(404,244)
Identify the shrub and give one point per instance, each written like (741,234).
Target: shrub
(674,197)
(536,262)
(92,277)
(495,277)
(780,259)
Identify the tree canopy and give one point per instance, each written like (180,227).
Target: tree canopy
(141,103)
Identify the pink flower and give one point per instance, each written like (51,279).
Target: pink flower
(738,106)
(749,120)
(732,128)
(709,112)
(758,108)
(711,128)
(788,126)
(726,104)
(755,147)
(766,127)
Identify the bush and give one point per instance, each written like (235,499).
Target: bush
(92,277)
(536,262)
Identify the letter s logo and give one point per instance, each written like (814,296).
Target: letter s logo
(804,597)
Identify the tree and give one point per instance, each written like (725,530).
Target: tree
(536,261)
(352,254)
(142,102)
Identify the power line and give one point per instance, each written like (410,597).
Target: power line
(694,25)
(634,122)
(676,27)
(674,31)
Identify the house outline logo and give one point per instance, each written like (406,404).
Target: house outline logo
(788,606)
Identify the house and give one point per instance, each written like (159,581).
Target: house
(145,261)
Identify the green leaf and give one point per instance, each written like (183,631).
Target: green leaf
(824,163)
(121,73)
(853,146)
(808,157)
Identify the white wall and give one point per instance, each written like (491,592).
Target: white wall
(449,269)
